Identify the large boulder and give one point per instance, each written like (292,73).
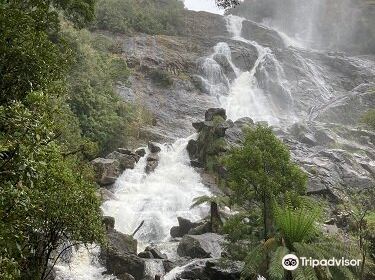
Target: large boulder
(106,170)
(127,160)
(121,242)
(119,256)
(184,226)
(120,263)
(213,112)
(208,245)
(211,269)
(261,34)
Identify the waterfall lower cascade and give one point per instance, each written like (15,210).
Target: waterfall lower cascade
(158,199)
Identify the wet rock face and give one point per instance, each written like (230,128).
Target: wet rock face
(208,245)
(184,227)
(127,161)
(119,257)
(262,35)
(106,170)
(212,269)
(210,144)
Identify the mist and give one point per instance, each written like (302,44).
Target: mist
(342,25)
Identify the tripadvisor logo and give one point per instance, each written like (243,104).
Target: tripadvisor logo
(291,262)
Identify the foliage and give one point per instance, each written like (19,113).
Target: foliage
(261,170)
(46,192)
(297,234)
(44,201)
(29,60)
(103,118)
(161,78)
(128,16)
(369,119)
(227,3)
(363,227)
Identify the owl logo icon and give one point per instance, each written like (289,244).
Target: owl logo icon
(290,262)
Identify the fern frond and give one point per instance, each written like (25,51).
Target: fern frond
(254,260)
(304,273)
(276,270)
(221,200)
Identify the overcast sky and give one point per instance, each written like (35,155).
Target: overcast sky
(203,5)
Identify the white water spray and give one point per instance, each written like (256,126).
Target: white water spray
(157,198)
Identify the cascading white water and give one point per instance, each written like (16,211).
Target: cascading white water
(84,265)
(246,98)
(157,198)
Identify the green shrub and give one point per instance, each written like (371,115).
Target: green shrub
(369,119)
(103,118)
(161,78)
(128,16)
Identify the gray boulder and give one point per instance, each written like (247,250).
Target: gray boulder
(153,147)
(155,253)
(119,256)
(106,170)
(184,226)
(212,269)
(213,112)
(146,255)
(105,195)
(208,245)
(127,161)
(141,152)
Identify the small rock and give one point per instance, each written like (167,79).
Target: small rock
(141,152)
(192,148)
(213,112)
(146,255)
(168,265)
(109,223)
(125,276)
(152,163)
(175,232)
(153,147)
(105,195)
(156,253)
(198,126)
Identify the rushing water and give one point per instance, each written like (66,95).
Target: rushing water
(157,198)
(160,197)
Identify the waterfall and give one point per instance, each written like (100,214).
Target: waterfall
(157,198)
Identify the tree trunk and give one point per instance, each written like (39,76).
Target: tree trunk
(216,221)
